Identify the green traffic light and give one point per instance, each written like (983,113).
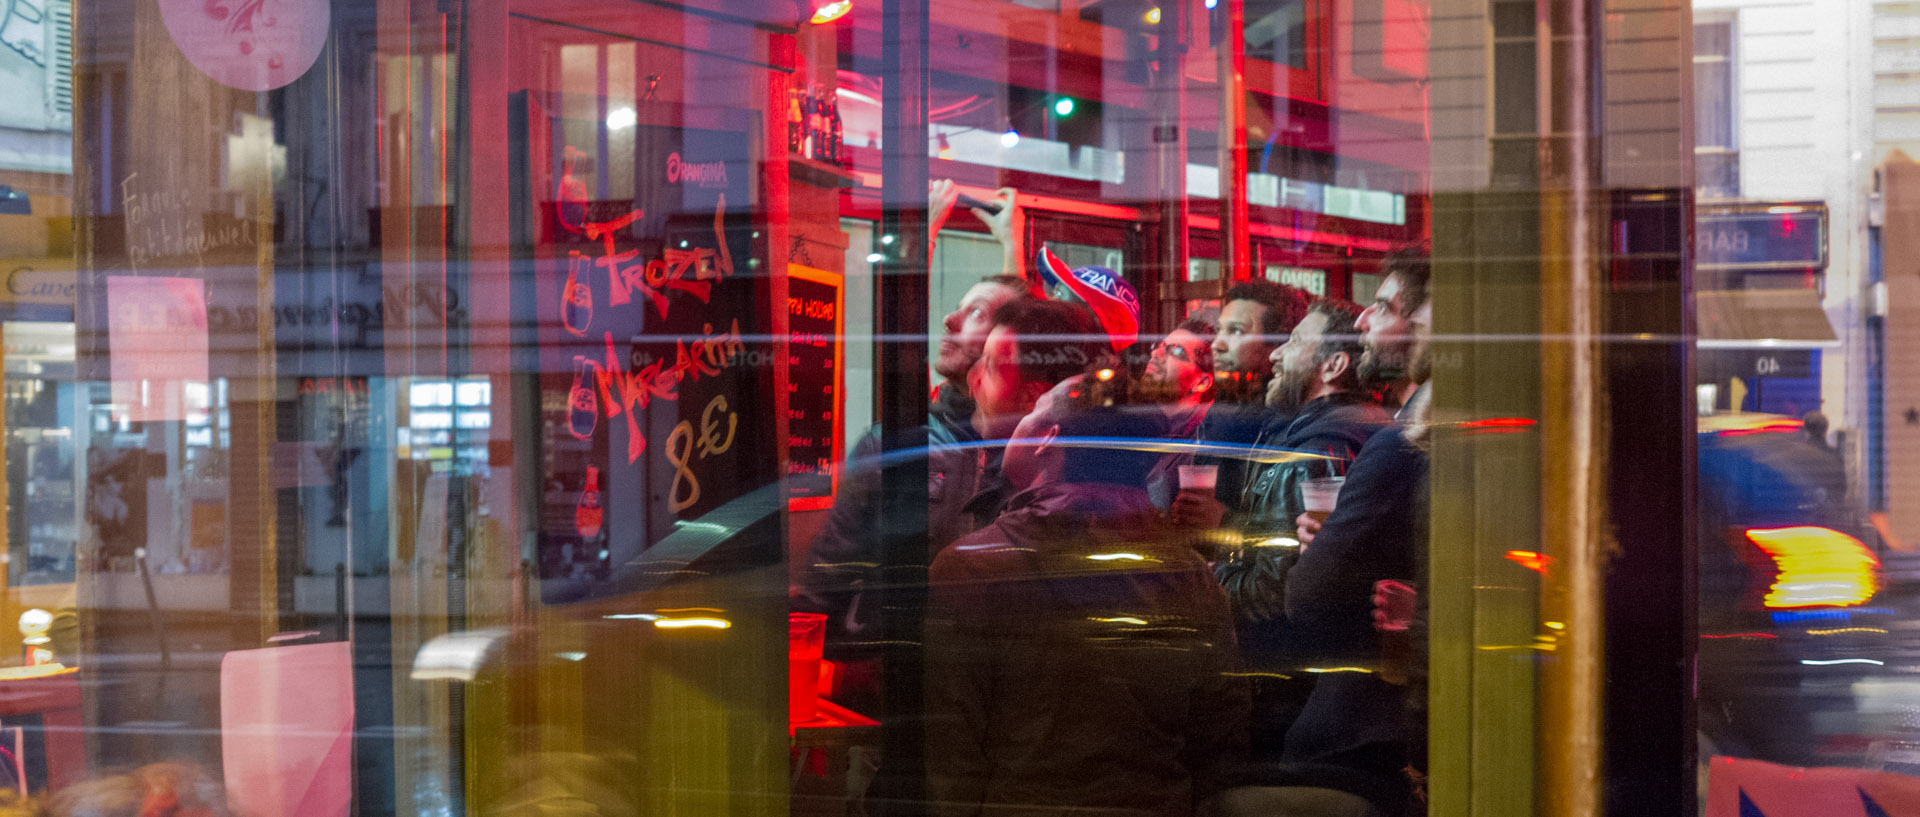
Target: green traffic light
(1063,106)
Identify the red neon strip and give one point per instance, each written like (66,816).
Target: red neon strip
(1499,422)
(1740,635)
(1296,234)
(1776,427)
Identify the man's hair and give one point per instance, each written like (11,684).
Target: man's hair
(1342,334)
(1013,282)
(1205,331)
(1414,267)
(1056,340)
(1286,305)
(1108,407)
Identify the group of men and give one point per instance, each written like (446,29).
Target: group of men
(1103,640)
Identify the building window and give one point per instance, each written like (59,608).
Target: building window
(1716,152)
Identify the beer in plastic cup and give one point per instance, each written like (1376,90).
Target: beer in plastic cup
(1201,477)
(1319,495)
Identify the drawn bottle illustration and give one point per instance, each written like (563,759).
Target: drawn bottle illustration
(583,405)
(587,514)
(576,307)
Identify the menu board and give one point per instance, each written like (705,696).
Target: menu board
(656,364)
(814,389)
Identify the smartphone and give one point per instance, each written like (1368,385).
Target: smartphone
(989,206)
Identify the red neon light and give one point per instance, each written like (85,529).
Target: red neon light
(1740,635)
(1536,562)
(1499,422)
(1775,427)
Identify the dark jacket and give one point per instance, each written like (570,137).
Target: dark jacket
(1255,576)
(1353,733)
(964,492)
(1163,482)
(1232,424)
(1080,663)
(1334,427)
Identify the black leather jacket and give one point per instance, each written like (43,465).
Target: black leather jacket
(1334,427)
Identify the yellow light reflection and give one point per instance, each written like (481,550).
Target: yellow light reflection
(683,623)
(1338,669)
(1122,620)
(1112,557)
(1818,567)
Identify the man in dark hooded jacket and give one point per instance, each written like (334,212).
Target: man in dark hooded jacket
(1322,411)
(1081,658)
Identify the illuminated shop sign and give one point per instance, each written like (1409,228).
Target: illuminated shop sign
(1778,237)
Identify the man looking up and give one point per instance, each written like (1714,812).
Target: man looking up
(846,550)
(1255,317)
(1032,346)
(1080,658)
(1351,742)
(1178,377)
(1320,409)
(1035,344)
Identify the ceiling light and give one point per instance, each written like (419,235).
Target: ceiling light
(829,12)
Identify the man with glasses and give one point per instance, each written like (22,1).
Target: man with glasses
(1178,377)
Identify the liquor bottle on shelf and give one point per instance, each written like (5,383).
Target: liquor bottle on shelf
(836,139)
(809,135)
(794,120)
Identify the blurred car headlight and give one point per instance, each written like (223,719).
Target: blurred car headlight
(1816,567)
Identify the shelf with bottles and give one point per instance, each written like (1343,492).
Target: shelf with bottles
(816,139)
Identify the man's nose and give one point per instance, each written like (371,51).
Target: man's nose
(1274,356)
(952,321)
(1365,321)
(1220,345)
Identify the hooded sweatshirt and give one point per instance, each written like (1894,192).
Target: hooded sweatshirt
(1081,661)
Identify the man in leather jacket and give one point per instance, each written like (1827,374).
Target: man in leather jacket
(1321,409)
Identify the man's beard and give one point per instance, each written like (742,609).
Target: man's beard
(1421,367)
(959,363)
(1157,390)
(1377,367)
(1287,393)
(1248,388)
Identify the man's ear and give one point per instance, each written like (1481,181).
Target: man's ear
(1335,367)
(1204,383)
(1045,445)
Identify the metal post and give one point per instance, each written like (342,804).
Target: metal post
(1235,258)
(900,356)
(1166,92)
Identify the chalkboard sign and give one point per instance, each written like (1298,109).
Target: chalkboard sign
(814,345)
(656,372)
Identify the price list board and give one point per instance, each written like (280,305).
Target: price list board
(815,389)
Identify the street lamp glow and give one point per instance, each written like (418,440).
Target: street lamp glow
(1010,138)
(622,118)
(1063,106)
